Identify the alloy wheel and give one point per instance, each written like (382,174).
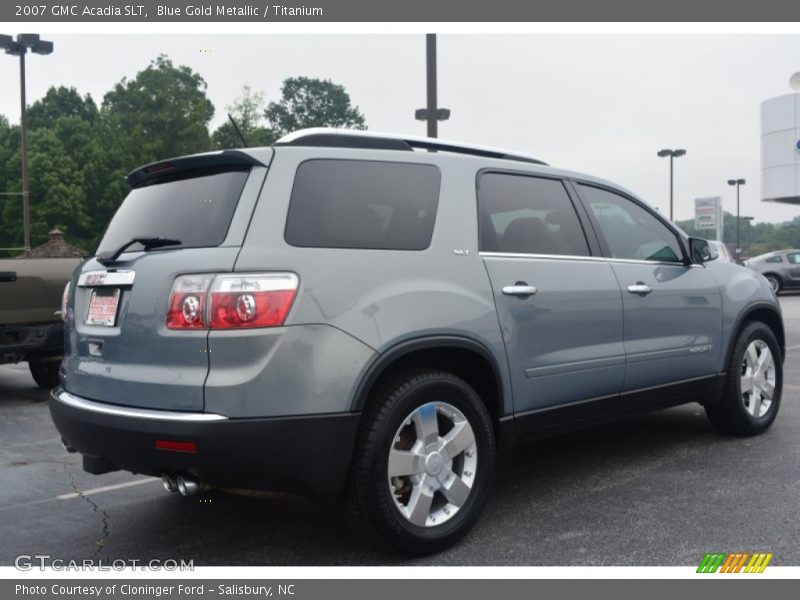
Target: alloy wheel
(432,463)
(758,378)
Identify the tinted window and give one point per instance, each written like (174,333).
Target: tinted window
(197,211)
(774,259)
(631,231)
(528,215)
(363,204)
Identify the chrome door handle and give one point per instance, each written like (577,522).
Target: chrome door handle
(639,288)
(519,290)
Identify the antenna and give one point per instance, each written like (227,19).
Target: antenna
(239,133)
(794,82)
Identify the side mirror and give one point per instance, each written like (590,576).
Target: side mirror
(701,251)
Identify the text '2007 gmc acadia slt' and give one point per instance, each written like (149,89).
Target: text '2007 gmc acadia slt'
(343,315)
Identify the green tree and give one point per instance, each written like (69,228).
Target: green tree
(60,102)
(307,102)
(162,112)
(248,112)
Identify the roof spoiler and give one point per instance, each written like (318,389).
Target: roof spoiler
(174,166)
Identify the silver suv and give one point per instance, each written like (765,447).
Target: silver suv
(372,317)
(781,268)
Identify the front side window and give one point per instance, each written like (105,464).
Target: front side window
(363,204)
(793,258)
(630,231)
(521,214)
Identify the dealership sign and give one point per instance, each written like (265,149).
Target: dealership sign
(708,215)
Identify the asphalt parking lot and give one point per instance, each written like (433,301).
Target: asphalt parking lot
(662,489)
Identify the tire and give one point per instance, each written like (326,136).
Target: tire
(397,421)
(45,373)
(741,412)
(775,283)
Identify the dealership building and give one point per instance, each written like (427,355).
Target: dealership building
(780,148)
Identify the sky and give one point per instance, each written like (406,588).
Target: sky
(600,104)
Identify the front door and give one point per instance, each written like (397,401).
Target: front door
(559,308)
(673,312)
(793,280)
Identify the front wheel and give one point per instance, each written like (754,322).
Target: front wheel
(752,393)
(424,462)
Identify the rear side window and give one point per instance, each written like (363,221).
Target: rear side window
(197,211)
(774,259)
(363,204)
(528,215)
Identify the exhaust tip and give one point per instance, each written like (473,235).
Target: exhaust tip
(67,446)
(169,483)
(186,486)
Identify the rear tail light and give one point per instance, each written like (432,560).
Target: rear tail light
(231,300)
(187,302)
(251,299)
(65,296)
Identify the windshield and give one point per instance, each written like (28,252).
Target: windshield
(196,210)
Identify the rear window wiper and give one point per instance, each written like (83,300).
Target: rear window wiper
(108,258)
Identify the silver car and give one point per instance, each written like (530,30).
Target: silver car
(781,268)
(367,316)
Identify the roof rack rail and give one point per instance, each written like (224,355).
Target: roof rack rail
(348,138)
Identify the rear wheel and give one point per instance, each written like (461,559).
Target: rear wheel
(754,383)
(45,373)
(774,282)
(424,462)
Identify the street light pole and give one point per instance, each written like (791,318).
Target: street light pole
(23,150)
(672,154)
(20,47)
(738,183)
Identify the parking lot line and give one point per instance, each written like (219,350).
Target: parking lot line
(106,488)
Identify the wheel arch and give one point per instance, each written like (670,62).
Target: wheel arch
(462,356)
(767,314)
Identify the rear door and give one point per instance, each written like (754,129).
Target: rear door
(119,349)
(559,307)
(673,311)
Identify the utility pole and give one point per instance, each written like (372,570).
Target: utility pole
(433,103)
(432,114)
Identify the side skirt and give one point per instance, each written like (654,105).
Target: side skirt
(579,415)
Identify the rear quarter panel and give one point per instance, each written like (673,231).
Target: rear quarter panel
(382,297)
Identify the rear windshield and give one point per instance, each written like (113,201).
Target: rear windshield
(197,211)
(363,204)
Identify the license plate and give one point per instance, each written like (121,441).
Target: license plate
(103,307)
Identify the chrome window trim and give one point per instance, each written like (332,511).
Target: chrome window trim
(586,258)
(135,413)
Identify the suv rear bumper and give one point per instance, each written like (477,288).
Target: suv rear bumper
(309,455)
